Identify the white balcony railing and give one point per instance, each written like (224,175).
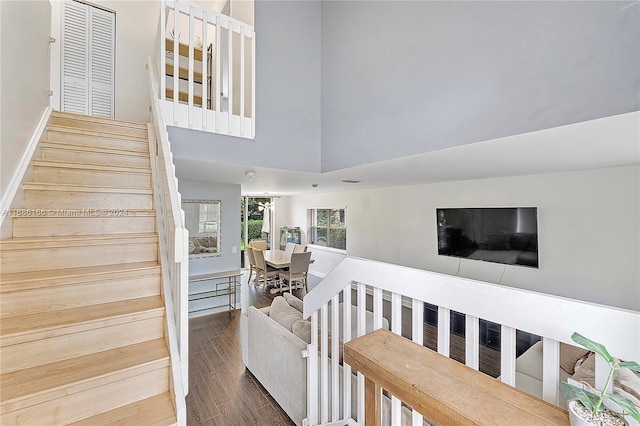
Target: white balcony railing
(207,78)
(354,280)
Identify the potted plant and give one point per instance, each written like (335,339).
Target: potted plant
(587,408)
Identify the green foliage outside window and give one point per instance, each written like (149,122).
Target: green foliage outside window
(329,228)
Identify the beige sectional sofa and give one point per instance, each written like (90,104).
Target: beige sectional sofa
(273,341)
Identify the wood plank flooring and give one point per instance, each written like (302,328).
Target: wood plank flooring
(223,392)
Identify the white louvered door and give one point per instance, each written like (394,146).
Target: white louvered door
(88,57)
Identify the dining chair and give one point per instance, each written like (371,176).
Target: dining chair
(298,270)
(263,270)
(260,245)
(290,248)
(252,263)
(299,248)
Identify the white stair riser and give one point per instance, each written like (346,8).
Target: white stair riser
(97,141)
(101,337)
(14,261)
(45,299)
(99,126)
(73,200)
(60,226)
(91,177)
(77,156)
(80,405)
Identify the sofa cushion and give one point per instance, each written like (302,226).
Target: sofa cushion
(302,329)
(293,301)
(282,313)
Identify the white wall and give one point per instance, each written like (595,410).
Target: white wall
(229,196)
(24,78)
(588,225)
(136,38)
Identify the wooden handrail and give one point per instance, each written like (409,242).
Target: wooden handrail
(441,389)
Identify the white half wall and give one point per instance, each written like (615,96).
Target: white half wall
(588,225)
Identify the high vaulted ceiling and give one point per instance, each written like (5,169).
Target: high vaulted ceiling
(406,92)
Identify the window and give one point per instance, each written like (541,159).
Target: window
(328,227)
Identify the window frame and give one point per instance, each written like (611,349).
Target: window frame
(312,230)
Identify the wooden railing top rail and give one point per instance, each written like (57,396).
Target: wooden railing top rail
(442,390)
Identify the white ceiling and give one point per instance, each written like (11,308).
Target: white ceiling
(607,142)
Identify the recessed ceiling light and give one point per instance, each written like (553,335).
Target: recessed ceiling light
(351,181)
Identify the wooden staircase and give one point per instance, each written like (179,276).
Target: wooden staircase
(82,317)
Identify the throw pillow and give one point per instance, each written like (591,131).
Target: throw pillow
(569,355)
(293,301)
(282,313)
(625,381)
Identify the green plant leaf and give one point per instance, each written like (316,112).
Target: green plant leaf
(592,346)
(631,365)
(628,406)
(588,399)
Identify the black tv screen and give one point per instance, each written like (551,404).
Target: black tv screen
(507,235)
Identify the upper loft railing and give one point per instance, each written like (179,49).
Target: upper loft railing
(207,78)
(405,290)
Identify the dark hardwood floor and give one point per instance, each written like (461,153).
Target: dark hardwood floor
(223,392)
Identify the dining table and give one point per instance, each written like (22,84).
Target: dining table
(277,258)
(281,260)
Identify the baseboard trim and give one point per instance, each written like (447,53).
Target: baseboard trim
(18,175)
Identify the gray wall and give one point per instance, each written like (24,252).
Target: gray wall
(288,105)
(588,225)
(229,196)
(407,77)
(24,78)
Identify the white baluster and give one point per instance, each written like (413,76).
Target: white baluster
(508,355)
(472,342)
(444,331)
(550,370)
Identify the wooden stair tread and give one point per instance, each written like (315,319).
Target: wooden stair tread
(92,149)
(157,410)
(36,279)
(26,243)
(47,322)
(184,97)
(91,166)
(94,119)
(95,133)
(68,187)
(80,369)
(54,213)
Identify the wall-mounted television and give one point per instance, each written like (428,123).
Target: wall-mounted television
(507,235)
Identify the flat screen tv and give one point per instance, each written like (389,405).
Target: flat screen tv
(507,235)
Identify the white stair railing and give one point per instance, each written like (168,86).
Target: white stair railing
(208,77)
(553,318)
(173,248)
